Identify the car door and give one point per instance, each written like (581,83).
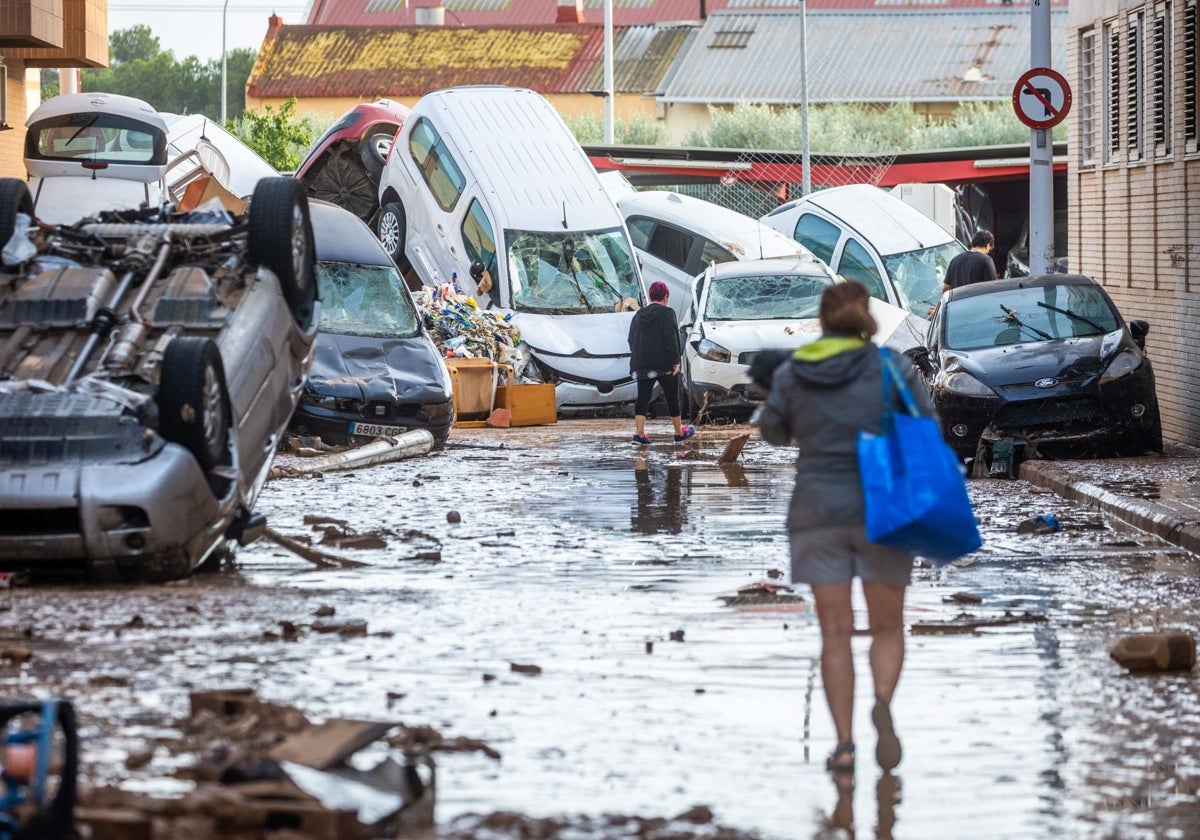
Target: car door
(437,199)
(665,252)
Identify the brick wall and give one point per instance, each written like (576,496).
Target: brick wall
(1134,229)
(12,142)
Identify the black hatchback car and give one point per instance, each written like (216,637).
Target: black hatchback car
(1042,362)
(376,371)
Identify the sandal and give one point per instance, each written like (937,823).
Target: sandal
(887,750)
(841,760)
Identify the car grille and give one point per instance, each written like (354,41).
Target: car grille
(747,357)
(48,427)
(1033,414)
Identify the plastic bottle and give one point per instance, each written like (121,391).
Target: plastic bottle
(1174,651)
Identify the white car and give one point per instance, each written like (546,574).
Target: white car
(869,235)
(677,236)
(746,307)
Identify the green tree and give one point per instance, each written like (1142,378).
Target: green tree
(142,69)
(137,43)
(278,136)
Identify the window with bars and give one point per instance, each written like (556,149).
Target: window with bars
(1133,87)
(1191,77)
(1161,63)
(1112,92)
(1087,96)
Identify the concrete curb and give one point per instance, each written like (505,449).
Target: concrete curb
(1158,519)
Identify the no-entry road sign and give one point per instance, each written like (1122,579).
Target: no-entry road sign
(1041,98)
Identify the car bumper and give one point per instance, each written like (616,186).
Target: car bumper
(333,426)
(156,519)
(1122,410)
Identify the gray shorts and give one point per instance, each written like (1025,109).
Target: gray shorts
(834,555)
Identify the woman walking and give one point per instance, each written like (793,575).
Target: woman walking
(819,400)
(654,357)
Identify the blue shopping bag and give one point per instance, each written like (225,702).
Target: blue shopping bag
(914,488)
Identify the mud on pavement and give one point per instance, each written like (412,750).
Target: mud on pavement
(579,625)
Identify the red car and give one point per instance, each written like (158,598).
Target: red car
(343,166)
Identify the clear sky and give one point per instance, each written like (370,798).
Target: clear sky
(193,27)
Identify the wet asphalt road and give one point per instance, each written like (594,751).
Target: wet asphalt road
(575,555)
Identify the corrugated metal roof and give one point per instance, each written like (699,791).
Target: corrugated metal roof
(855,56)
(625,12)
(320,61)
(642,57)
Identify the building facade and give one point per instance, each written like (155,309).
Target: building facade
(1134,183)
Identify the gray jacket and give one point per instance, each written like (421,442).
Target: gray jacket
(819,401)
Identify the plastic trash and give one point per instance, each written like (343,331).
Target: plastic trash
(19,248)
(1046,523)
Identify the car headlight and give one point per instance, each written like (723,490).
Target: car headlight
(436,411)
(965,384)
(1123,364)
(712,351)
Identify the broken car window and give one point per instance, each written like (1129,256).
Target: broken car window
(366,300)
(764,297)
(570,273)
(918,275)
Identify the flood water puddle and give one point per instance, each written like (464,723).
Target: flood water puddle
(612,573)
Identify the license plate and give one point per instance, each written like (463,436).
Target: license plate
(374,430)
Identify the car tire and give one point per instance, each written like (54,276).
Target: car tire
(373,151)
(14,199)
(392,230)
(341,179)
(193,403)
(1151,440)
(281,239)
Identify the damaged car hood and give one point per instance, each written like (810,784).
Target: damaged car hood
(592,347)
(394,369)
(1069,361)
(741,336)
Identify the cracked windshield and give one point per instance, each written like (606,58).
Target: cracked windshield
(764,297)
(919,275)
(570,274)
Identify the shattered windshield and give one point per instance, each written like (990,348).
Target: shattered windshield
(1021,316)
(571,273)
(918,275)
(764,297)
(365,300)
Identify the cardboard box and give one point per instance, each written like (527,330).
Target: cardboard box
(528,405)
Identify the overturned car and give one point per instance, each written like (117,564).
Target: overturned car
(149,362)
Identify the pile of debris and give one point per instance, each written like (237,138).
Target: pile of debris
(264,767)
(460,329)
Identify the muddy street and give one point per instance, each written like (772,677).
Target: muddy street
(574,606)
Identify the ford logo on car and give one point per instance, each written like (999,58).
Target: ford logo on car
(1048,382)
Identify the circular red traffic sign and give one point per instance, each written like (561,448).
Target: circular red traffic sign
(1041,98)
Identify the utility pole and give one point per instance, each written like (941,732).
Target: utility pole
(608,72)
(224,73)
(1041,156)
(805,167)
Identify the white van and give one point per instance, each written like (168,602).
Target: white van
(677,236)
(487,183)
(869,235)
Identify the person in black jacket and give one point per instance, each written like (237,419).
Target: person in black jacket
(654,357)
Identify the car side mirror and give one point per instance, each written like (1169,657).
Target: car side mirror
(1139,329)
(921,360)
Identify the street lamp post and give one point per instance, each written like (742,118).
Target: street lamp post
(224,95)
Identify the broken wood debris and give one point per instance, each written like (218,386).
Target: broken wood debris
(968,623)
(321,558)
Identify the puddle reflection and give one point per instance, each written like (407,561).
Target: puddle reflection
(659,507)
(841,817)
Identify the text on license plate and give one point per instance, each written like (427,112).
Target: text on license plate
(373,430)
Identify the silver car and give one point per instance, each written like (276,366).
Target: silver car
(149,362)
